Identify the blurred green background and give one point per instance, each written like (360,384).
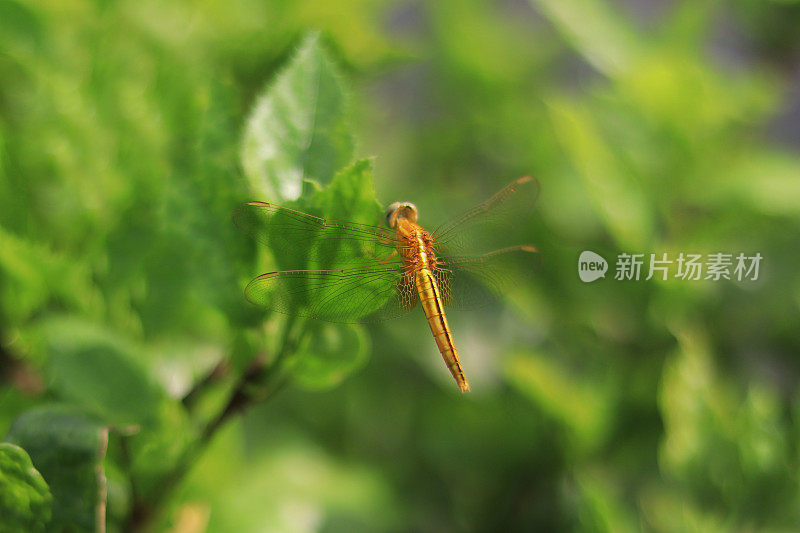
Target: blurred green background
(612,406)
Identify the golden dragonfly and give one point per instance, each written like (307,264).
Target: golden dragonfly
(365,273)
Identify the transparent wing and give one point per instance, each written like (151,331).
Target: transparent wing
(475,281)
(282,228)
(486,224)
(368,294)
(354,273)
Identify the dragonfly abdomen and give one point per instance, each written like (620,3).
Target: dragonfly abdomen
(431,301)
(416,247)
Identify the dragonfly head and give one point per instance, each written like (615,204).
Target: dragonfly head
(397,210)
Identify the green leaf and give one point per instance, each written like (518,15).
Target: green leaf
(156,452)
(719,443)
(31,275)
(328,354)
(350,197)
(25,499)
(298,127)
(602,506)
(96,369)
(595,31)
(767,181)
(20,27)
(292,485)
(617,194)
(67,447)
(573,404)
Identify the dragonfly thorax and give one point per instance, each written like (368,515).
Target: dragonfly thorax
(397,210)
(415,246)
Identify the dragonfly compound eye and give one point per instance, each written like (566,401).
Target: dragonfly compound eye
(397,210)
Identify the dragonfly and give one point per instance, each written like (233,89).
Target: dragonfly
(361,273)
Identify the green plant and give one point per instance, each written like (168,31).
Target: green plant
(297,140)
(129,131)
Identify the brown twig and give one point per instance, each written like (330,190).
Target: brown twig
(259,382)
(220,370)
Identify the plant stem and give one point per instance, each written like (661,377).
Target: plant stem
(255,384)
(259,382)
(219,371)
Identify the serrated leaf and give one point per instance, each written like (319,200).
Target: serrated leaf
(67,447)
(349,197)
(25,499)
(96,369)
(328,354)
(298,127)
